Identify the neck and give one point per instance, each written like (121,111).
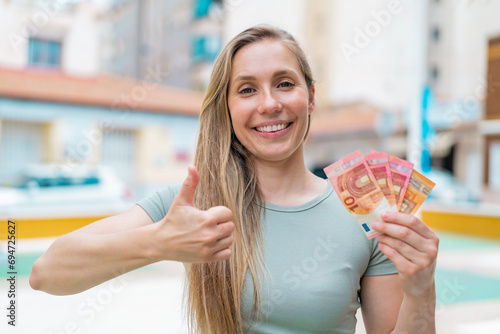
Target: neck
(288,182)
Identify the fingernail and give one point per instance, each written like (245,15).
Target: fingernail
(375,224)
(385,215)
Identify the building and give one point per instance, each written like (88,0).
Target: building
(144,130)
(119,37)
(92,82)
(59,35)
(180,37)
(490,126)
(459,40)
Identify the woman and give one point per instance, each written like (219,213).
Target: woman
(267,245)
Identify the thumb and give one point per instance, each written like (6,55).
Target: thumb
(186,195)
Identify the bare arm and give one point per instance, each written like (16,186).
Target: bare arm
(402,303)
(381,298)
(113,246)
(95,253)
(386,309)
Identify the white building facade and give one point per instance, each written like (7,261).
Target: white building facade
(51,35)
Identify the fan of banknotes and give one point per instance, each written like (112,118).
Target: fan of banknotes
(371,184)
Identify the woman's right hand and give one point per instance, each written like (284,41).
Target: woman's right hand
(187,234)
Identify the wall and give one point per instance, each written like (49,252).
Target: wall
(75,26)
(73,135)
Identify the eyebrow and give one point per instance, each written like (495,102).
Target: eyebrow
(251,77)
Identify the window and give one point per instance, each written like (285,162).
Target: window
(434,73)
(436,34)
(493,158)
(201,8)
(44,53)
(21,144)
(205,48)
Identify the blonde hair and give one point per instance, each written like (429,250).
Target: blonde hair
(227,177)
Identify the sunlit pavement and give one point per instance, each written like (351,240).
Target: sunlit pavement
(149,300)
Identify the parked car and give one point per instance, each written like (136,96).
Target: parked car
(51,188)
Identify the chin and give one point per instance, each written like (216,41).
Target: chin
(277,155)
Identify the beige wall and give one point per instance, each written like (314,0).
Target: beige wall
(53,149)
(156,158)
(461,52)
(319,47)
(468,164)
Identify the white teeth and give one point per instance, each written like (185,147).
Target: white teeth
(272,128)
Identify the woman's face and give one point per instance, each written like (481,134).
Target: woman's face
(269,101)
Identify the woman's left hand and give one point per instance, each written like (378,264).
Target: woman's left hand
(413,247)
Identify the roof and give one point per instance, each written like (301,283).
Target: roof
(101,91)
(344,119)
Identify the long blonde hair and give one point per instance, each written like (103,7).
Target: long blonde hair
(227,177)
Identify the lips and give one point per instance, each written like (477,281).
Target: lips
(272,128)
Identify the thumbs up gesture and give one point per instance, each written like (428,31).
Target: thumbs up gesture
(187,234)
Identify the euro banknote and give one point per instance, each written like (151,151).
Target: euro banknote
(379,165)
(358,190)
(371,184)
(400,175)
(416,193)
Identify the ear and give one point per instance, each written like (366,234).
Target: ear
(312,101)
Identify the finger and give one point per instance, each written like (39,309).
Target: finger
(402,264)
(403,248)
(224,242)
(220,214)
(410,221)
(186,195)
(402,233)
(223,254)
(225,229)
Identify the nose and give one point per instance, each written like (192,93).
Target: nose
(269,103)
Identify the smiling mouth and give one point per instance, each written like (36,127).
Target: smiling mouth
(273,128)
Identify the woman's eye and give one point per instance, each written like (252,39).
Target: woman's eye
(246,91)
(286,84)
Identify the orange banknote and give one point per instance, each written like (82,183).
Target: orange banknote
(379,165)
(416,193)
(358,190)
(400,174)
